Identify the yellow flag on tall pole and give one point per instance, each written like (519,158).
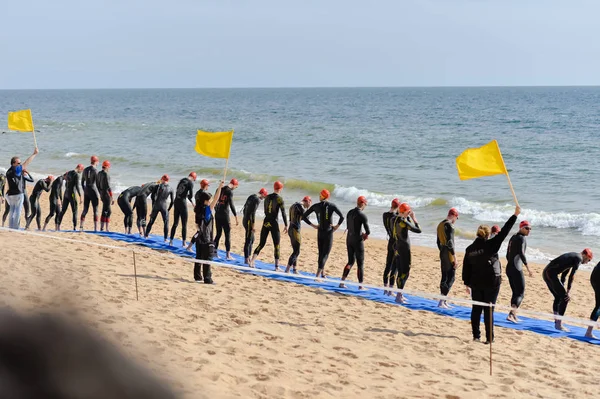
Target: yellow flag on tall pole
(214,145)
(483,161)
(20,121)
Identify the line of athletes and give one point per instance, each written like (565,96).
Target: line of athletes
(481,271)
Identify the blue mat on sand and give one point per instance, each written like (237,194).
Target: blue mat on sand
(415,303)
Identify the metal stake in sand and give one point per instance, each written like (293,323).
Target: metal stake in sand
(491,329)
(135,277)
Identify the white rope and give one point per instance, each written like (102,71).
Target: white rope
(532,313)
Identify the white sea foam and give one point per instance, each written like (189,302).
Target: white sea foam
(72,154)
(350,194)
(586,223)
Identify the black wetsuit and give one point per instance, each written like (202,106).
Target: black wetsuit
(205,247)
(356,220)
(184,192)
(388,218)
(70,198)
(561,266)
(324,211)
(224,203)
(445,243)
(36,210)
(103,184)
(2,189)
(481,272)
(26,178)
(56,194)
(163,193)
(248,221)
(141,203)
(124,202)
(595,280)
(91,194)
(199,193)
(273,205)
(402,255)
(515,255)
(296,214)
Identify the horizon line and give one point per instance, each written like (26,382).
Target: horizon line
(306,87)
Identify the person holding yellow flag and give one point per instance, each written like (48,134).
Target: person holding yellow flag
(482,275)
(14,195)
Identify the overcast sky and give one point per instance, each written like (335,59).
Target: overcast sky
(306,43)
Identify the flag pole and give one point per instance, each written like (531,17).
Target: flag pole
(512,190)
(33,131)
(225,171)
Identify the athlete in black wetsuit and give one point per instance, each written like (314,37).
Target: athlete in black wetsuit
(36,210)
(204,184)
(124,202)
(163,193)
(273,205)
(388,218)
(224,203)
(561,266)
(402,224)
(482,275)
(141,205)
(72,191)
(595,280)
(248,220)
(183,193)
(296,214)
(325,227)
(515,255)
(2,189)
(56,194)
(445,243)
(90,192)
(26,179)
(356,220)
(106,195)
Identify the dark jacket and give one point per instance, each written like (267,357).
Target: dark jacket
(481,268)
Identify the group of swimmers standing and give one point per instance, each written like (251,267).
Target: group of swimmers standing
(481,265)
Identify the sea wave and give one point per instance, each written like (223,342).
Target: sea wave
(377,199)
(585,223)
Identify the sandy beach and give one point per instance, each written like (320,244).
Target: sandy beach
(248,336)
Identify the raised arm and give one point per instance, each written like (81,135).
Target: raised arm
(28,160)
(215,198)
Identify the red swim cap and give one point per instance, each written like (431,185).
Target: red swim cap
(234,182)
(361,200)
(80,166)
(263,191)
(453,212)
(404,207)
(204,183)
(324,194)
(588,252)
(395,203)
(193,175)
(495,229)
(278,185)
(165,178)
(524,223)
(94,159)
(50,178)
(307,199)
(106,164)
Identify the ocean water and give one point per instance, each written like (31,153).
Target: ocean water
(378,142)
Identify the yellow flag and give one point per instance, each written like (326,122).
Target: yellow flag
(214,145)
(479,162)
(20,121)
